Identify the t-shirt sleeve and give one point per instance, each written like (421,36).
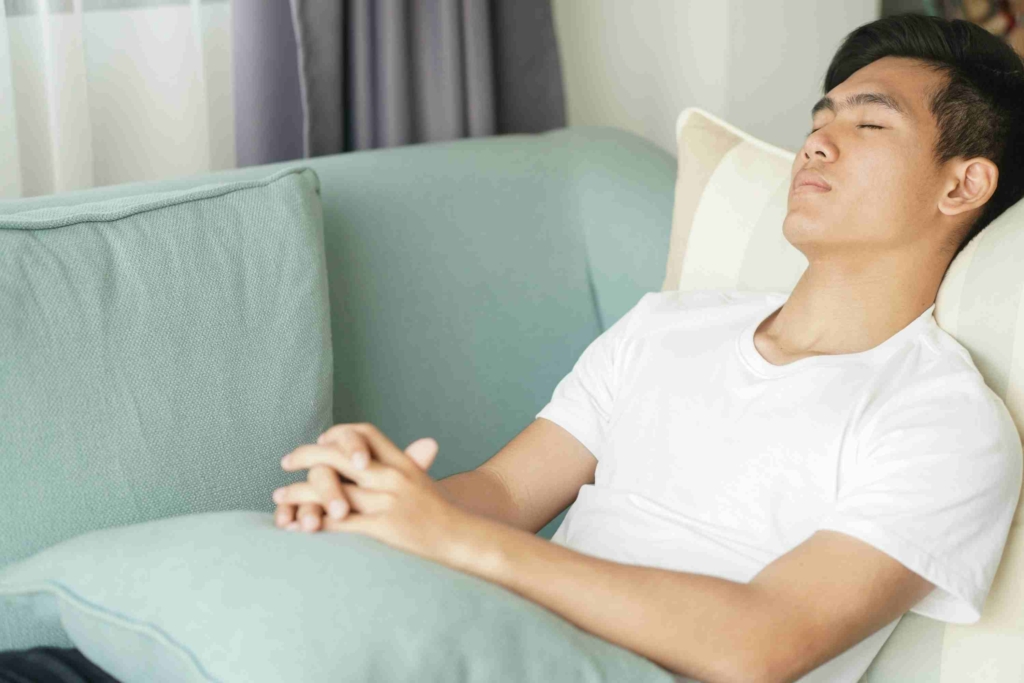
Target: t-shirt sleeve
(935,485)
(582,401)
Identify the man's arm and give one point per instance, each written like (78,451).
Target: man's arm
(803,609)
(800,611)
(529,481)
(526,484)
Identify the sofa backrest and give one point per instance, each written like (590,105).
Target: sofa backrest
(466,277)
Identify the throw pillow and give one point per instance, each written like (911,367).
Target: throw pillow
(229,597)
(158,355)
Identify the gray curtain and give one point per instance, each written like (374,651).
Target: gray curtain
(268,104)
(317,77)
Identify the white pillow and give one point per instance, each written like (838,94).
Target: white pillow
(730,201)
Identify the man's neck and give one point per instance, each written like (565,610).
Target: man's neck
(842,308)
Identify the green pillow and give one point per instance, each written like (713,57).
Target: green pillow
(229,597)
(158,355)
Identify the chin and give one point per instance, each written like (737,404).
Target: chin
(800,222)
(804,231)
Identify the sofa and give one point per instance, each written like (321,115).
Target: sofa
(462,280)
(509,254)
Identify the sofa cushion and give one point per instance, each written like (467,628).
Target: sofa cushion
(158,355)
(731,199)
(228,597)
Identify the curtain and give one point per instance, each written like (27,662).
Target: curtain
(98,92)
(363,74)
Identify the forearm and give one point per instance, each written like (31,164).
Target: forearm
(704,627)
(481,493)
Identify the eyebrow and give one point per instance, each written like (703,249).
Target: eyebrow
(887,101)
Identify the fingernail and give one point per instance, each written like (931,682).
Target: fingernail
(360,460)
(336,509)
(308,523)
(278,495)
(292,526)
(284,460)
(281,519)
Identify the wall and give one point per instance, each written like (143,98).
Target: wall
(635,64)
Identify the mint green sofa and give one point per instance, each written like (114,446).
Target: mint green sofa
(467,277)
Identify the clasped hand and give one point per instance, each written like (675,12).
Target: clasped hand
(366,484)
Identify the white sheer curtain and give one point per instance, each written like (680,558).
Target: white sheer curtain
(98,92)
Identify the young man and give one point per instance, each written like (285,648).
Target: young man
(761,484)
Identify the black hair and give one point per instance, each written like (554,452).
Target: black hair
(980,109)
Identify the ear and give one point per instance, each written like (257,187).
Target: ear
(971,183)
(422,451)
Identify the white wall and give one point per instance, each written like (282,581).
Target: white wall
(635,64)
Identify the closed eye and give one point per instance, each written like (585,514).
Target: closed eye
(862,125)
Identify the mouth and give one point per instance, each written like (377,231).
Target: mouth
(808,181)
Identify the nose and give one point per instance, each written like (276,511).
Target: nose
(819,146)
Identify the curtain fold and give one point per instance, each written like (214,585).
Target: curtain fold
(99,92)
(383,73)
(268,119)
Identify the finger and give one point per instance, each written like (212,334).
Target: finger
(422,451)
(345,438)
(373,475)
(384,450)
(309,516)
(326,482)
(367,501)
(353,438)
(295,494)
(360,524)
(284,515)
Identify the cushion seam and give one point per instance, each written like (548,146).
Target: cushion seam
(9,221)
(64,593)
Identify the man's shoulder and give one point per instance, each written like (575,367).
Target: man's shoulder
(937,386)
(939,368)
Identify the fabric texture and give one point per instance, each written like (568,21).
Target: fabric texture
(727,234)
(173,600)
(384,73)
(158,355)
(734,461)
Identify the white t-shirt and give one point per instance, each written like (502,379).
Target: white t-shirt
(712,460)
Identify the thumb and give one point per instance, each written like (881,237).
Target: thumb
(422,451)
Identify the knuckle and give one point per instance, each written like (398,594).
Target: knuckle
(326,434)
(339,431)
(323,478)
(393,477)
(319,472)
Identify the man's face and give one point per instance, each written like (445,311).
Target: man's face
(866,177)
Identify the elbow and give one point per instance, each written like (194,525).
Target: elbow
(762,672)
(773,658)
(757,670)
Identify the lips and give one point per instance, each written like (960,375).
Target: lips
(809,181)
